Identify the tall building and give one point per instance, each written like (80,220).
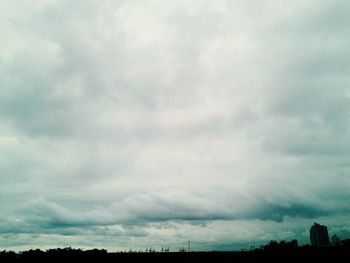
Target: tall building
(319,235)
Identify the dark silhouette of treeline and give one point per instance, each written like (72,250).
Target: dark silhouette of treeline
(272,252)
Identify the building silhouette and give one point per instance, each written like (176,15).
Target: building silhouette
(319,235)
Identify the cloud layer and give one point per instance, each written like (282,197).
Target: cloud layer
(147,122)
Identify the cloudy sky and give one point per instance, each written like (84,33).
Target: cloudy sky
(130,124)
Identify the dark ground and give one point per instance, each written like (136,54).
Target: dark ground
(302,254)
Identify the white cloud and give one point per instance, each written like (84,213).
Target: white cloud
(155,111)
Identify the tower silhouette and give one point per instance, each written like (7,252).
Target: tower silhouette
(319,235)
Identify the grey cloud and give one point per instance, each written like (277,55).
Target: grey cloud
(309,96)
(278,212)
(47,214)
(161,206)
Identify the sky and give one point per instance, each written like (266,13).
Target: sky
(134,124)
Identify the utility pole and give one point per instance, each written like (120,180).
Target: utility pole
(189,246)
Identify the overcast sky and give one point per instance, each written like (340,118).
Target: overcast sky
(130,124)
